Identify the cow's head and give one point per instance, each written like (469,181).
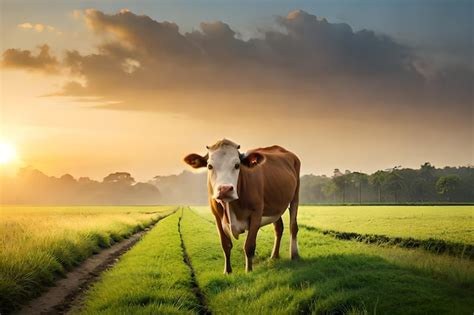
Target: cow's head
(223,162)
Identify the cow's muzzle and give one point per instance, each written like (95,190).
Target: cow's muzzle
(225,193)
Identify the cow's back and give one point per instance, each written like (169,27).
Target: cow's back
(280,178)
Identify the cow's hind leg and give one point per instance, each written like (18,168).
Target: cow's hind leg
(293,232)
(278,233)
(294,224)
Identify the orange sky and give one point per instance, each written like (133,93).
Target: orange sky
(154,105)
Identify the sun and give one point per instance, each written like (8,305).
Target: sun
(7,153)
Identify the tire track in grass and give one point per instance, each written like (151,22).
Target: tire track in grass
(204,309)
(435,246)
(67,292)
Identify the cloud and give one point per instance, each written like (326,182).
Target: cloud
(25,25)
(307,66)
(76,14)
(310,48)
(25,59)
(38,27)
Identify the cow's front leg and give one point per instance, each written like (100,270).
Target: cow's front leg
(226,243)
(251,241)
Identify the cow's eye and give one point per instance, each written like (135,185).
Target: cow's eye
(237,166)
(209,166)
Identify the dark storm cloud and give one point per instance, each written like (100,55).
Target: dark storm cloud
(25,59)
(308,65)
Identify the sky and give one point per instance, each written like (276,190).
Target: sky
(92,87)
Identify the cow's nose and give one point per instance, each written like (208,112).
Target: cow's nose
(224,189)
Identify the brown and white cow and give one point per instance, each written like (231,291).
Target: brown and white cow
(247,191)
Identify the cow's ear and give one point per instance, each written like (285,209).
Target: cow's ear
(252,159)
(196,161)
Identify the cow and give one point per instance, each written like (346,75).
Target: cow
(247,191)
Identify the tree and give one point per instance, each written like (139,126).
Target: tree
(359,180)
(427,171)
(340,180)
(447,185)
(419,189)
(377,180)
(120,177)
(394,183)
(329,189)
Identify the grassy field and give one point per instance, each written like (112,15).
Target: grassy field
(438,229)
(333,277)
(149,279)
(450,223)
(39,243)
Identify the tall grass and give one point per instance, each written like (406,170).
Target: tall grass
(38,244)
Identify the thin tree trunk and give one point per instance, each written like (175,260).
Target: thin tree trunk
(360,194)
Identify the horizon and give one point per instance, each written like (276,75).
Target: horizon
(90,87)
(196,172)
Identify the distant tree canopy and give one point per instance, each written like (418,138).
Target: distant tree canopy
(120,178)
(396,185)
(448,185)
(31,186)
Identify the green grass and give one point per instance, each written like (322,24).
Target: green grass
(38,244)
(449,223)
(149,279)
(333,277)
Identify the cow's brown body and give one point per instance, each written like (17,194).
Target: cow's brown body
(265,192)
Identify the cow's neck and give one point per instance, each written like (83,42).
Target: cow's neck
(243,181)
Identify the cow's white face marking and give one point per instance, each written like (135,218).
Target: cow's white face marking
(223,170)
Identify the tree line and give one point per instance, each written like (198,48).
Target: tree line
(396,185)
(31,186)
(427,184)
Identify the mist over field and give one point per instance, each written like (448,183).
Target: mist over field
(398,185)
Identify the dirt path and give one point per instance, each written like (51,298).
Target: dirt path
(67,294)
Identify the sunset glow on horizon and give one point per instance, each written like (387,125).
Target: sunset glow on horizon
(8,153)
(89,88)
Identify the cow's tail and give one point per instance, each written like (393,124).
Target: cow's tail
(295,200)
(294,213)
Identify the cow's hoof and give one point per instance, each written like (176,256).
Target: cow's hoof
(275,257)
(227,272)
(295,257)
